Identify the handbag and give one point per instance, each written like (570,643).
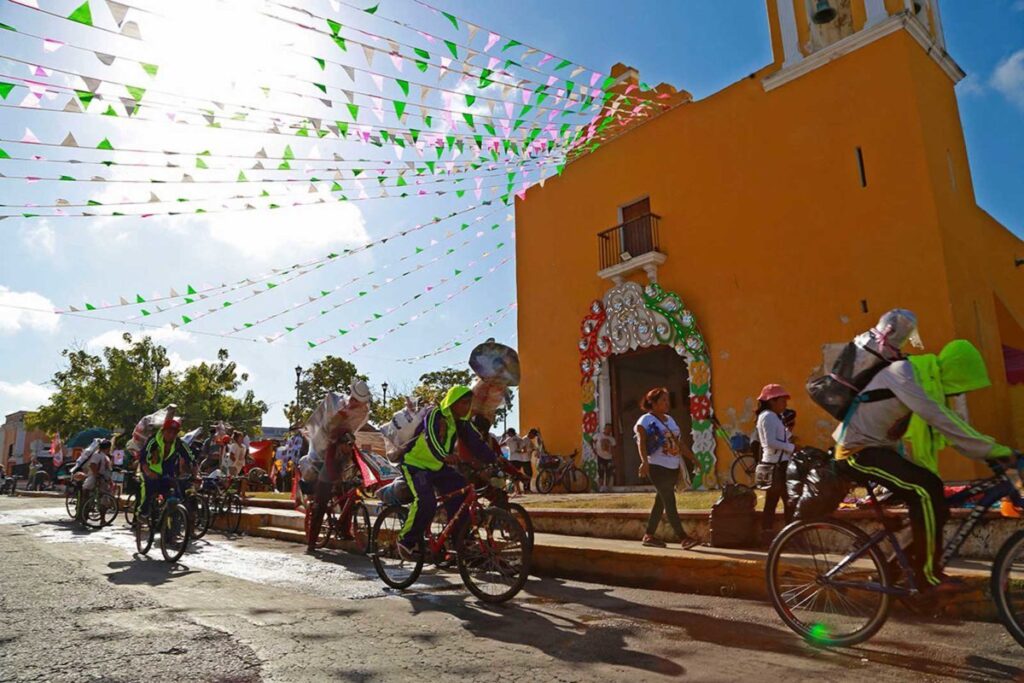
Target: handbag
(764,475)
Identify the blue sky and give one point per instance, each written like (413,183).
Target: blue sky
(699,46)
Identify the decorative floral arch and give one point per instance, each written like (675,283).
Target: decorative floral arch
(631,317)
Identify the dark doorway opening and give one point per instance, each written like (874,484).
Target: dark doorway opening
(632,376)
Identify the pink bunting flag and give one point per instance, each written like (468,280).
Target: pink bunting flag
(594,78)
(492,40)
(29,137)
(378,81)
(39,71)
(545,59)
(396,60)
(493,62)
(31,101)
(51,45)
(430,38)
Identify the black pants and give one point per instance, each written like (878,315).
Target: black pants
(772,496)
(921,490)
(527,467)
(664,480)
(605,471)
(323,493)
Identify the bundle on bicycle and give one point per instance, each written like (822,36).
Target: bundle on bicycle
(831,582)
(491,548)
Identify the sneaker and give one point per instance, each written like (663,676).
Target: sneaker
(407,553)
(689,542)
(652,542)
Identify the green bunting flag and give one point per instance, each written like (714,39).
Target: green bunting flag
(150,69)
(83,15)
(5,89)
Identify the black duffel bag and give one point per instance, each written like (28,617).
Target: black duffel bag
(733,519)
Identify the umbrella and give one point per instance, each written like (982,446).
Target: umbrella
(85,437)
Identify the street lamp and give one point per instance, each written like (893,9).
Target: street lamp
(384,386)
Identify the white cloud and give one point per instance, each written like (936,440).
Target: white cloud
(179,364)
(23,396)
(1018,6)
(1008,78)
(292,233)
(25,310)
(971,85)
(115,338)
(39,235)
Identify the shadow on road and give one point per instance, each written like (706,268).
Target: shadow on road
(145,571)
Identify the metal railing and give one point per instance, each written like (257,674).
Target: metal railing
(630,239)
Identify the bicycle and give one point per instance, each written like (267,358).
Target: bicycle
(744,462)
(225,505)
(198,507)
(832,584)
(344,505)
(98,509)
(573,479)
(172,521)
(490,548)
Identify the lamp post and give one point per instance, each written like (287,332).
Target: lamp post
(298,376)
(384,386)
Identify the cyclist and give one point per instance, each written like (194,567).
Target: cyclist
(160,461)
(429,464)
(339,453)
(869,439)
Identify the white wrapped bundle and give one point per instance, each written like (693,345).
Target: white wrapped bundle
(147,427)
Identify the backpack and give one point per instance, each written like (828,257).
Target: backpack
(401,432)
(733,519)
(838,391)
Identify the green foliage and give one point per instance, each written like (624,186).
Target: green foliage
(119,386)
(330,374)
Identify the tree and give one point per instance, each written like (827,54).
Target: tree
(381,413)
(117,388)
(330,374)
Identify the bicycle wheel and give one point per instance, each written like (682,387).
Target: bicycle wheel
(107,509)
(233,513)
(743,468)
(143,534)
(391,567)
(494,556)
(129,509)
(327,527)
(71,501)
(1007,585)
(174,532)
(523,517)
(575,480)
(91,517)
(545,481)
(202,517)
(359,529)
(809,602)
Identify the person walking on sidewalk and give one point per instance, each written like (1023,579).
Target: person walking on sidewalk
(519,456)
(660,447)
(776,448)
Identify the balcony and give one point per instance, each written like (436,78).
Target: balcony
(631,246)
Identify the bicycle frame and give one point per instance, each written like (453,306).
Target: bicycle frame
(993,490)
(436,543)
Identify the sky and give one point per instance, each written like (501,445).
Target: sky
(55,262)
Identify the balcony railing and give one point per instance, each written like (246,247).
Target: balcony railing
(632,238)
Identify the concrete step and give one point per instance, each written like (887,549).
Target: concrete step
(712,571)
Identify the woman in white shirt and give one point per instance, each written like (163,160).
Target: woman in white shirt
(776,449)
(661,447)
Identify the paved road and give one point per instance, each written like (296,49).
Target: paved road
(78,606)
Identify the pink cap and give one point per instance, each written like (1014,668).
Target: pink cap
(771,391)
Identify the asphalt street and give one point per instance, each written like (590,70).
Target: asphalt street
(80,606)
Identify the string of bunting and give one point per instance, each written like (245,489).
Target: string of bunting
(323,294)
(467,335)
(204,292)
(413,318)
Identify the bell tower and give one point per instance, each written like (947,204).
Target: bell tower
(809,33)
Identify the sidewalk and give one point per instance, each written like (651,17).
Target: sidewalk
(701,570)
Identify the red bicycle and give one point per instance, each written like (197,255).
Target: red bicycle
(491,548)
(347,519)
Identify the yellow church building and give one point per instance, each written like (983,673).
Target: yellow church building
(738,240)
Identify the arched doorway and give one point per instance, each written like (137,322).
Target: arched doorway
(627,319)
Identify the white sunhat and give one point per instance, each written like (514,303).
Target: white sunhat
(360,391)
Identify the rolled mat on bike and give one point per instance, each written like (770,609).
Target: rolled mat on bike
(395,493)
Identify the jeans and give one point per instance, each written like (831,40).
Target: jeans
(664,480)
(772,496)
